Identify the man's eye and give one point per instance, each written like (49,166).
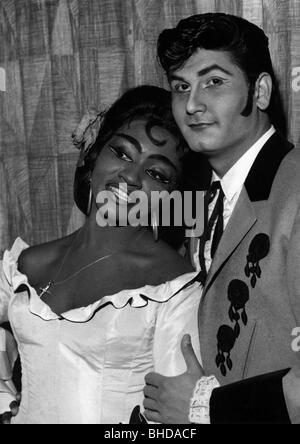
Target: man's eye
(180,87)
(156,175)
(120,153)
(214,82)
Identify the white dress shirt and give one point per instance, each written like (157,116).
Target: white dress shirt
(232,184)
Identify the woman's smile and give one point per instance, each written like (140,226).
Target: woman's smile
(120,191)
(136,158)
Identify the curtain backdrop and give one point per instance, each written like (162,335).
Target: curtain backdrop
(61,57)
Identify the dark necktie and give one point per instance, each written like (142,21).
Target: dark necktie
(216,220)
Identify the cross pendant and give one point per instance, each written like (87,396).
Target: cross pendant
(45,289)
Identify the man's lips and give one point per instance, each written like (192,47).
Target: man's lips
(200,125)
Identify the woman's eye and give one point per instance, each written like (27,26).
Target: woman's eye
(120,153)
(158,176)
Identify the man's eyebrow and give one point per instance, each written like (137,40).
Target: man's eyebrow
(202,72)
(164,159)
(206,70)
(130,139)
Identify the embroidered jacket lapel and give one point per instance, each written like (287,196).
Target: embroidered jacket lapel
(257,188)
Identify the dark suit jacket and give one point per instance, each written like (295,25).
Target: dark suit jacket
(251,299)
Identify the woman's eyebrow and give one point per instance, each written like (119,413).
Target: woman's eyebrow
(164,159)
(137,145)
(132,140)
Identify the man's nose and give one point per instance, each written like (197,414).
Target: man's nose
(131,175)
(196,101)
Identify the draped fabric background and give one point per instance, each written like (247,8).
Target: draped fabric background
(64,56)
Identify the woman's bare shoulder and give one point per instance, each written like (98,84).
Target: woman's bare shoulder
(34,260)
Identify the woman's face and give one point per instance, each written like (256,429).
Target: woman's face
(135,159)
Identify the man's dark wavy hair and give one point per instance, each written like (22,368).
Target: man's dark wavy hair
(146,102)
(245,42)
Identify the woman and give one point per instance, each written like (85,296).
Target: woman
(95,311)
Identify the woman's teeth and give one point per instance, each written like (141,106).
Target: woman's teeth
(120,193)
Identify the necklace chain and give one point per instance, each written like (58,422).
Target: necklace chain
(53,282)
(50,284)
(83,268)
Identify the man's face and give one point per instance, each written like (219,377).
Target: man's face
(209,93)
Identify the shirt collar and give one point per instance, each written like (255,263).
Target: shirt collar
(234,179)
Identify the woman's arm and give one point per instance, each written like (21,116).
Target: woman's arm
(8,356)
(8,348)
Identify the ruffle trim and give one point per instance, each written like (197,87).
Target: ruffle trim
(137,298)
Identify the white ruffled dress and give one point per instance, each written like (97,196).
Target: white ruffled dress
(88,365)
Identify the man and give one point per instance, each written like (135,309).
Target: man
(227,105)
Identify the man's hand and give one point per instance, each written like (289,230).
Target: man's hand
(291,390)
(167,399)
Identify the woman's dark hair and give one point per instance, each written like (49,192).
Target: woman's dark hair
(150,103)
(245,42)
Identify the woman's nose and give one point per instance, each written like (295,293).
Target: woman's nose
(131,175)
(196,102)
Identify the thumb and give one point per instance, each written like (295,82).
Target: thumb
(192,363)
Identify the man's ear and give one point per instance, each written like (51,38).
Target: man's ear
(263,90)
